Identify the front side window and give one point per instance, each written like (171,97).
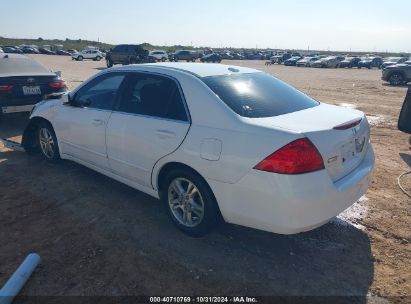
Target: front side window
(152,95)
(100,93)
(257,95)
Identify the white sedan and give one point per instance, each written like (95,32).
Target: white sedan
(213,142)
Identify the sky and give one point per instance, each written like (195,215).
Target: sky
(361,25)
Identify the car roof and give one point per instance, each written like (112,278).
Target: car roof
(21,65)
(197,69)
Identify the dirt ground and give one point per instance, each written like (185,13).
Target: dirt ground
(99,237)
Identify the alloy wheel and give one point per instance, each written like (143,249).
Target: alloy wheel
(47,144)
(185,202)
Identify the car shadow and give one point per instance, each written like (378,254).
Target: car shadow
(406,158)
(386,84)
(13,125)
(101,68)
(108,238)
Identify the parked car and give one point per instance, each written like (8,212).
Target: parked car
(292,61)
(237,56)
(265,156)
(128,54)
(63,53)
(211,58)
(370,62)
(306,61)
(226,56)
(350,62)
(404,121)
(12,50)
(30,50)
(327,62)
(397,74)
(88,54)
(280,58)
(159,55)
(185,55)
(24,82)
(46,51)
(393,60)
(1,50)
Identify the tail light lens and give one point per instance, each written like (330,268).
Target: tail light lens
(298,157)
(4,88)
(58,84)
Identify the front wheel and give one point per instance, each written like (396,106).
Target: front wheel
(80,58)
(98,58)
(396,79)
(190,203)
(48,142)
(109,63)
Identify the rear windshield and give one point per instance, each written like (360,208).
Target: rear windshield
(12,64)
(258,95)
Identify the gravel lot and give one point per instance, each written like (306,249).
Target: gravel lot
(99,237)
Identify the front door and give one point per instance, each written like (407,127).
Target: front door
(149,122)
(81,126)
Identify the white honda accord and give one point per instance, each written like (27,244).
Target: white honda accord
(213,142)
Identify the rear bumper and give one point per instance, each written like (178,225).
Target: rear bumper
(289,204)
(16,109)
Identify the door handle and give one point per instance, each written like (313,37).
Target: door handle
(164,134)
(98,122)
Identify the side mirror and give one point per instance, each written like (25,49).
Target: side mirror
(66,99)
(404,122)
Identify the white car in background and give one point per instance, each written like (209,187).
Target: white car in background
(212,141)
(159,55)
(88,54)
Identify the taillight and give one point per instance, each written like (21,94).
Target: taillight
(348,125)
(4,88)
(299,156)
(58,84)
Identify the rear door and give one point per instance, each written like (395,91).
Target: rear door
(81,126)
(149,122)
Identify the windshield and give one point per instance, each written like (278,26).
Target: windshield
(258,95)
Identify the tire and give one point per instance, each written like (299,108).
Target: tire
(80,58)
(396,79)
(163,59)
(98,58)
(47,142)
(181,205)
(109,63)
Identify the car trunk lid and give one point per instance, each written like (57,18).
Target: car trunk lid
(341,135)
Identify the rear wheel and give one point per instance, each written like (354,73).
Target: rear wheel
(109,63)
(80,58)
(48,142)
(163,59)
(396,79)
(190,202)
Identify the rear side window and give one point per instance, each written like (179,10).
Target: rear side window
(257,95)
(152,95)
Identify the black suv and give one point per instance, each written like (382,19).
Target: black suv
(128,54)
